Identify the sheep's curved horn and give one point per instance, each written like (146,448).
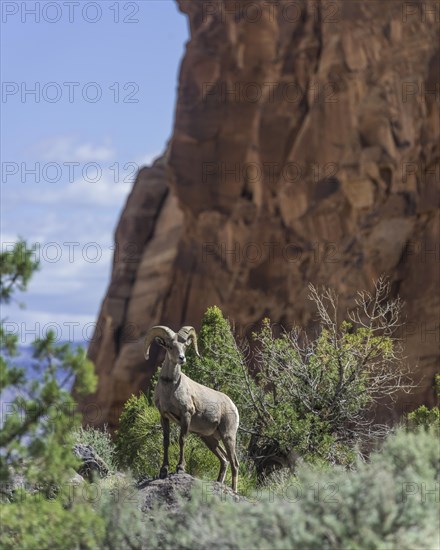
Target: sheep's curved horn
(158,331)
(189,333)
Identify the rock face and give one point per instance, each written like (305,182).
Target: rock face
(305,149)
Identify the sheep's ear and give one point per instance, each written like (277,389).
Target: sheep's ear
(161,342)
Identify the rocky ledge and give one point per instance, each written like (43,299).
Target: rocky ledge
(169,492)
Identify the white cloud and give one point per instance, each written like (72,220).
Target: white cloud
(96,180)
(104,192)
(31,324)
(69,149)
(98,186)
(77,211)
(79,266)
(75,249)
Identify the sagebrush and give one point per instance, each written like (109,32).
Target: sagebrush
(389,502)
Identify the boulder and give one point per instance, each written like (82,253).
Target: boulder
(169,492)
(92,463)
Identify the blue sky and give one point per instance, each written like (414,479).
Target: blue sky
(103,104)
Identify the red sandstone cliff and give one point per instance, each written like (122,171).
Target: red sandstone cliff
(305,149)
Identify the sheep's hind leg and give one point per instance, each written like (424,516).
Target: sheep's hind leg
(214,445)
(184,430)
(229,443)
(166,443)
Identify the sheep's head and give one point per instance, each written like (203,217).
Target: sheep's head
(175,344)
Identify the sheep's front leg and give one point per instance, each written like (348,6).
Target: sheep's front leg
(184,430)
(166,443)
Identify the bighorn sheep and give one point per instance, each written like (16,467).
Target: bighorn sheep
(196,408)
